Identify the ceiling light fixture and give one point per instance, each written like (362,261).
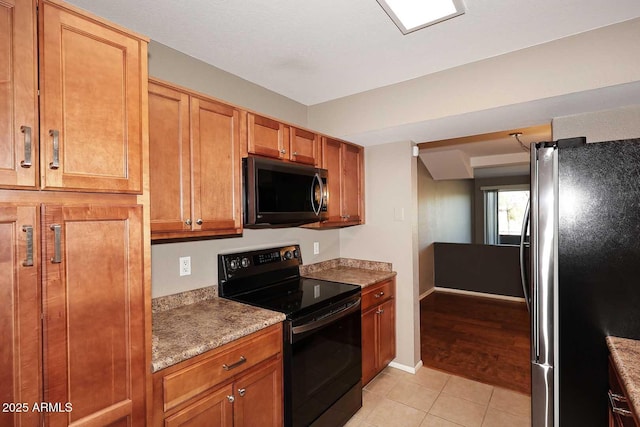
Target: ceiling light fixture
(517,136)
(412,15)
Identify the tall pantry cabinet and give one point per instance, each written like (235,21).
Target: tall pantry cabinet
(74,259)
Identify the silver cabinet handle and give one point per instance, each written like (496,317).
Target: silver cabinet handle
(295,153)
(613,398)
(379,294)
(283,151)
(57,256)
(28,261)
(188,221)
(231,398)
(55,164)
(380,311)
(234,365)
(242,391)
(26,130)
(199,221)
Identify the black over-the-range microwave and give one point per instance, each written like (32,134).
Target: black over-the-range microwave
(278,193)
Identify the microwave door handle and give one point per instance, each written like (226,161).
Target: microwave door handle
(321,194)
(316,177)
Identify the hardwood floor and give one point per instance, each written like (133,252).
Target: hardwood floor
(478,338)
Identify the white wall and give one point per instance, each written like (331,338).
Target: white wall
(445,214)
(619,123)
(165,279)
(176,67)
(390,190)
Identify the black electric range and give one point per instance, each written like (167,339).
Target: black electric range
(322,361)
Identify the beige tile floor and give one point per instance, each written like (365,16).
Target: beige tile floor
(432,398)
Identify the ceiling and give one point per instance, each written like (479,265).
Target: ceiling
(482,156)
(320,50)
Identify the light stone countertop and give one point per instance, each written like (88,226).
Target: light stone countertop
(352,271)
(189,330)
(626,357)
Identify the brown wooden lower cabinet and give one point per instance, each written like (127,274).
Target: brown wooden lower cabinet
(378,328)
(238,384)
(620,413)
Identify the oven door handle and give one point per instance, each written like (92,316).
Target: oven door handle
(317,324)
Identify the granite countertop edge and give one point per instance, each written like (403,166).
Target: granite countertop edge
(625,353)
(352,271)
(190,330)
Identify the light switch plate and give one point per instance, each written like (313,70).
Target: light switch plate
(316,248)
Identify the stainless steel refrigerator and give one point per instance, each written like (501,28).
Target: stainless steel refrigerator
(585,273)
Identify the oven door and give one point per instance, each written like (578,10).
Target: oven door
(325,365)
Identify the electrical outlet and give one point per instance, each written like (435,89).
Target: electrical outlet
(185,265)
(316,248)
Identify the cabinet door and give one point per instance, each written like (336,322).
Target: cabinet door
(332,162)
(304,146)
(215,133)
(387,333)
(352,191)
(369,346)
(259,396)
(214,410)
(94,314)
(18,102)
(266,136)
(20,314)
(91,82)
(169,159)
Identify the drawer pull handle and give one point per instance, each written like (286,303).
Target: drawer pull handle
(26,130)
(55,164)
(242,391)
(28,262)
(234,365)
(378,295)
(231,398)
(613,398)
(283,151)
(380,311)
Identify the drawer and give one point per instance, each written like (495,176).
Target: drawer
(192,380)
(619,411)
(378,293)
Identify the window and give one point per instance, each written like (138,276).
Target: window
(504,209)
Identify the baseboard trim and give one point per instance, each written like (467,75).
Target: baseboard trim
(426,293)
(411,370)
(479,294)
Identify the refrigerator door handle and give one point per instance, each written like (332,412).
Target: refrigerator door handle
(523,267)
(542,388)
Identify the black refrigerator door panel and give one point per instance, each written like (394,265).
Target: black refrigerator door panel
(598,269)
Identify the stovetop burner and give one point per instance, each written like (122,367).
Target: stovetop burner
(270,278)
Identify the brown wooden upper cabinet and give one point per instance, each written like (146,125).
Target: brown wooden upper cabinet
(195,164)
(345,165)
(92,77)
(271,138)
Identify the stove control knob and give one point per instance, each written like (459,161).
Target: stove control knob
(244,262)
(233,264)
(288,255)
(296,253)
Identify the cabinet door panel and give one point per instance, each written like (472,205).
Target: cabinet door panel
(94,314)
(18,102)
(214,410)
(266,136)
(259,397)
(352,193)
(215,133)
(20,368)
(304,146)
(387,331)
(169,159)
(369,346)
(332,161)
(91,83)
